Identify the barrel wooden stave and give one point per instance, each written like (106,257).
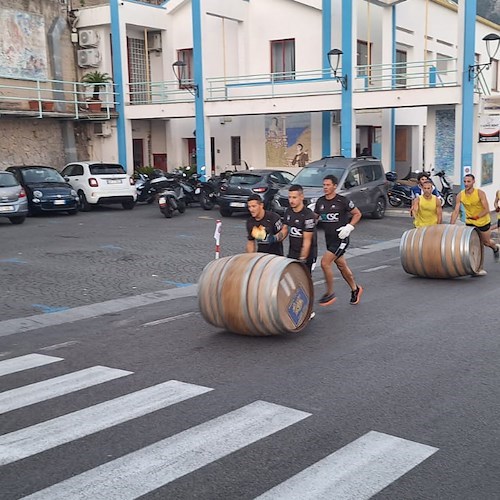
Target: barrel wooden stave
(441,251)
(251,293)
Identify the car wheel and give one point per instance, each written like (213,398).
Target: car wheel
(225,212)
(84,204)
(380,207)
(72,212)
(128,205)
(17,220)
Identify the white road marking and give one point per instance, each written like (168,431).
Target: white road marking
(21,363)
(357,471)
(171,318)
(376,247)
(53,347)
(40,437)
(58,386)
(371,269)
(145,470)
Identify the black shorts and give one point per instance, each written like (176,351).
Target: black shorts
(308,263)
(483,229)
(337,246)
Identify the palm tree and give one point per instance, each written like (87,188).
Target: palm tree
(97,79)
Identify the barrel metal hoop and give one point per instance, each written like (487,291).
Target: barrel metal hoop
(412,236)
(221,280)
(420,252)
(205,299)
(402,253)
(453,252)
(464,248)
(443,249)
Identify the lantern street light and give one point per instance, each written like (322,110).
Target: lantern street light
(334,61)
(492,41)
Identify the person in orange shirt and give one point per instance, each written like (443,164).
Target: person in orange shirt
(477,214)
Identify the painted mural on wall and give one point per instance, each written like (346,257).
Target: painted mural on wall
(23,52)
(445,141)
(486,168)
(288,140)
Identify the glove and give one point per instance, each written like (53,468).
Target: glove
(271,239)
(345,231)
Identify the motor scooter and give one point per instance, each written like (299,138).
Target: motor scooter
(197,191)
(446,188)
(399,192)
(172,198)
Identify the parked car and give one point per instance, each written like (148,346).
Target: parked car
(234,193)
(362,180)
(101,184)
(46,189)
(13,201)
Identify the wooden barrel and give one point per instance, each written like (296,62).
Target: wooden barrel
(441,251)
(256,294)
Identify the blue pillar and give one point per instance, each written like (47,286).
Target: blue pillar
(469,30)
(198,81)
(118,82)
(347,144)
(326,121)
(393,111)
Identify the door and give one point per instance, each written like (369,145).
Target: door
(138,152)
(191,152)
(160,161)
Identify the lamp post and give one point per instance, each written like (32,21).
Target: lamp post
(491,40)
(179,70)
(334,61)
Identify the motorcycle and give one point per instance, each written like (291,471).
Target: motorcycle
(400,192)
(196,191)
(172,198)
(148,187)
(446,188)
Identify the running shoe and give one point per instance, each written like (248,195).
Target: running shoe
(327,299)
(496,253)
(312,315)
(481,272)
(356,295)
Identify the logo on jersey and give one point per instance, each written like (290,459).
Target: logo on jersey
(295,232)
(330,217)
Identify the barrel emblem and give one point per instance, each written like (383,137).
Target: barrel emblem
(298,306)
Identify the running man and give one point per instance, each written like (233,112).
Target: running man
(497,210)
(339,216)
(477,214)
(426,208)
(265,229)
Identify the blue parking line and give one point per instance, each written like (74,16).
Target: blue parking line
(176,284)
(49,309)
(13,260)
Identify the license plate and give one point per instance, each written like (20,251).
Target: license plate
(114,181)
(59,202)
(237,204)
(162,201)
(7,208)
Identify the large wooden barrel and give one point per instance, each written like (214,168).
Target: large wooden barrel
(256,294)
(441,251)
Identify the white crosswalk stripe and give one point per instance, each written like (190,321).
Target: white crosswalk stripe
(357,471)
(21,363)
(58,386)
(40,437)
(158,464)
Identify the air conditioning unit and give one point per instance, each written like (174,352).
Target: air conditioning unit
(154,41)
(88,58)
(88,38)
(102,129)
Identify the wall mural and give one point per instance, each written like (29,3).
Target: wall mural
(486,168)
(288,140)
(23,52)
(445,140)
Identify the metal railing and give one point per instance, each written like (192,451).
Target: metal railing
(164,92)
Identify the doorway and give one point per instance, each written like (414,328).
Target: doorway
(138,152)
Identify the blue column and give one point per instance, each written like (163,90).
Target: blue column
(393,111)
(198,81)
(347,144)
(118,82)
(469,30)
(326,121)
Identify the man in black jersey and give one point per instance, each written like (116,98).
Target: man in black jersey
(339,216)
(265,229)
(300,226)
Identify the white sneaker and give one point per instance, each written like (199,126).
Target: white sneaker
(312,315)
(481,272)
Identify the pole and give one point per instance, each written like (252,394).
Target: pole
(218,230)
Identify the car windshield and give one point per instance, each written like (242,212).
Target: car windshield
(106,168)
(313,176)
(7,180)
(40,174)
(246,179)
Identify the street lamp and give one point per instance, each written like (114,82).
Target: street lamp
(492,41)
(179,68)
(334,61)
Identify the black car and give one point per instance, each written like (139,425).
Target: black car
(46,189)
(362,180)
(234,193)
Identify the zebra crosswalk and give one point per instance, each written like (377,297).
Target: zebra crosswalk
(357,471)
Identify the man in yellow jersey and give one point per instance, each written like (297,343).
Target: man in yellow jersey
(497,209)
(426,208)
(477,214)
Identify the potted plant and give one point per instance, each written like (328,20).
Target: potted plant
(98,80)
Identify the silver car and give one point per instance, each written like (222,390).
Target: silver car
(13,201)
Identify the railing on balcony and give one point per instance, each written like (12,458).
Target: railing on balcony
(56,98)
(159,92)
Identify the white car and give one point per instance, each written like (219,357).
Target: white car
(101,184)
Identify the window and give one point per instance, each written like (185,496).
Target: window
(400,68)
(235,151)
(187,72)
(72,170)
(494,75)
(364,57)
(353,178)
(283,59)
(106,168)
(137,70)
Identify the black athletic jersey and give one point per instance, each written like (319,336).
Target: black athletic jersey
(334,213)
(270,224)
(299,223)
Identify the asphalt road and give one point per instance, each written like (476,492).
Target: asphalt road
(395,398)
